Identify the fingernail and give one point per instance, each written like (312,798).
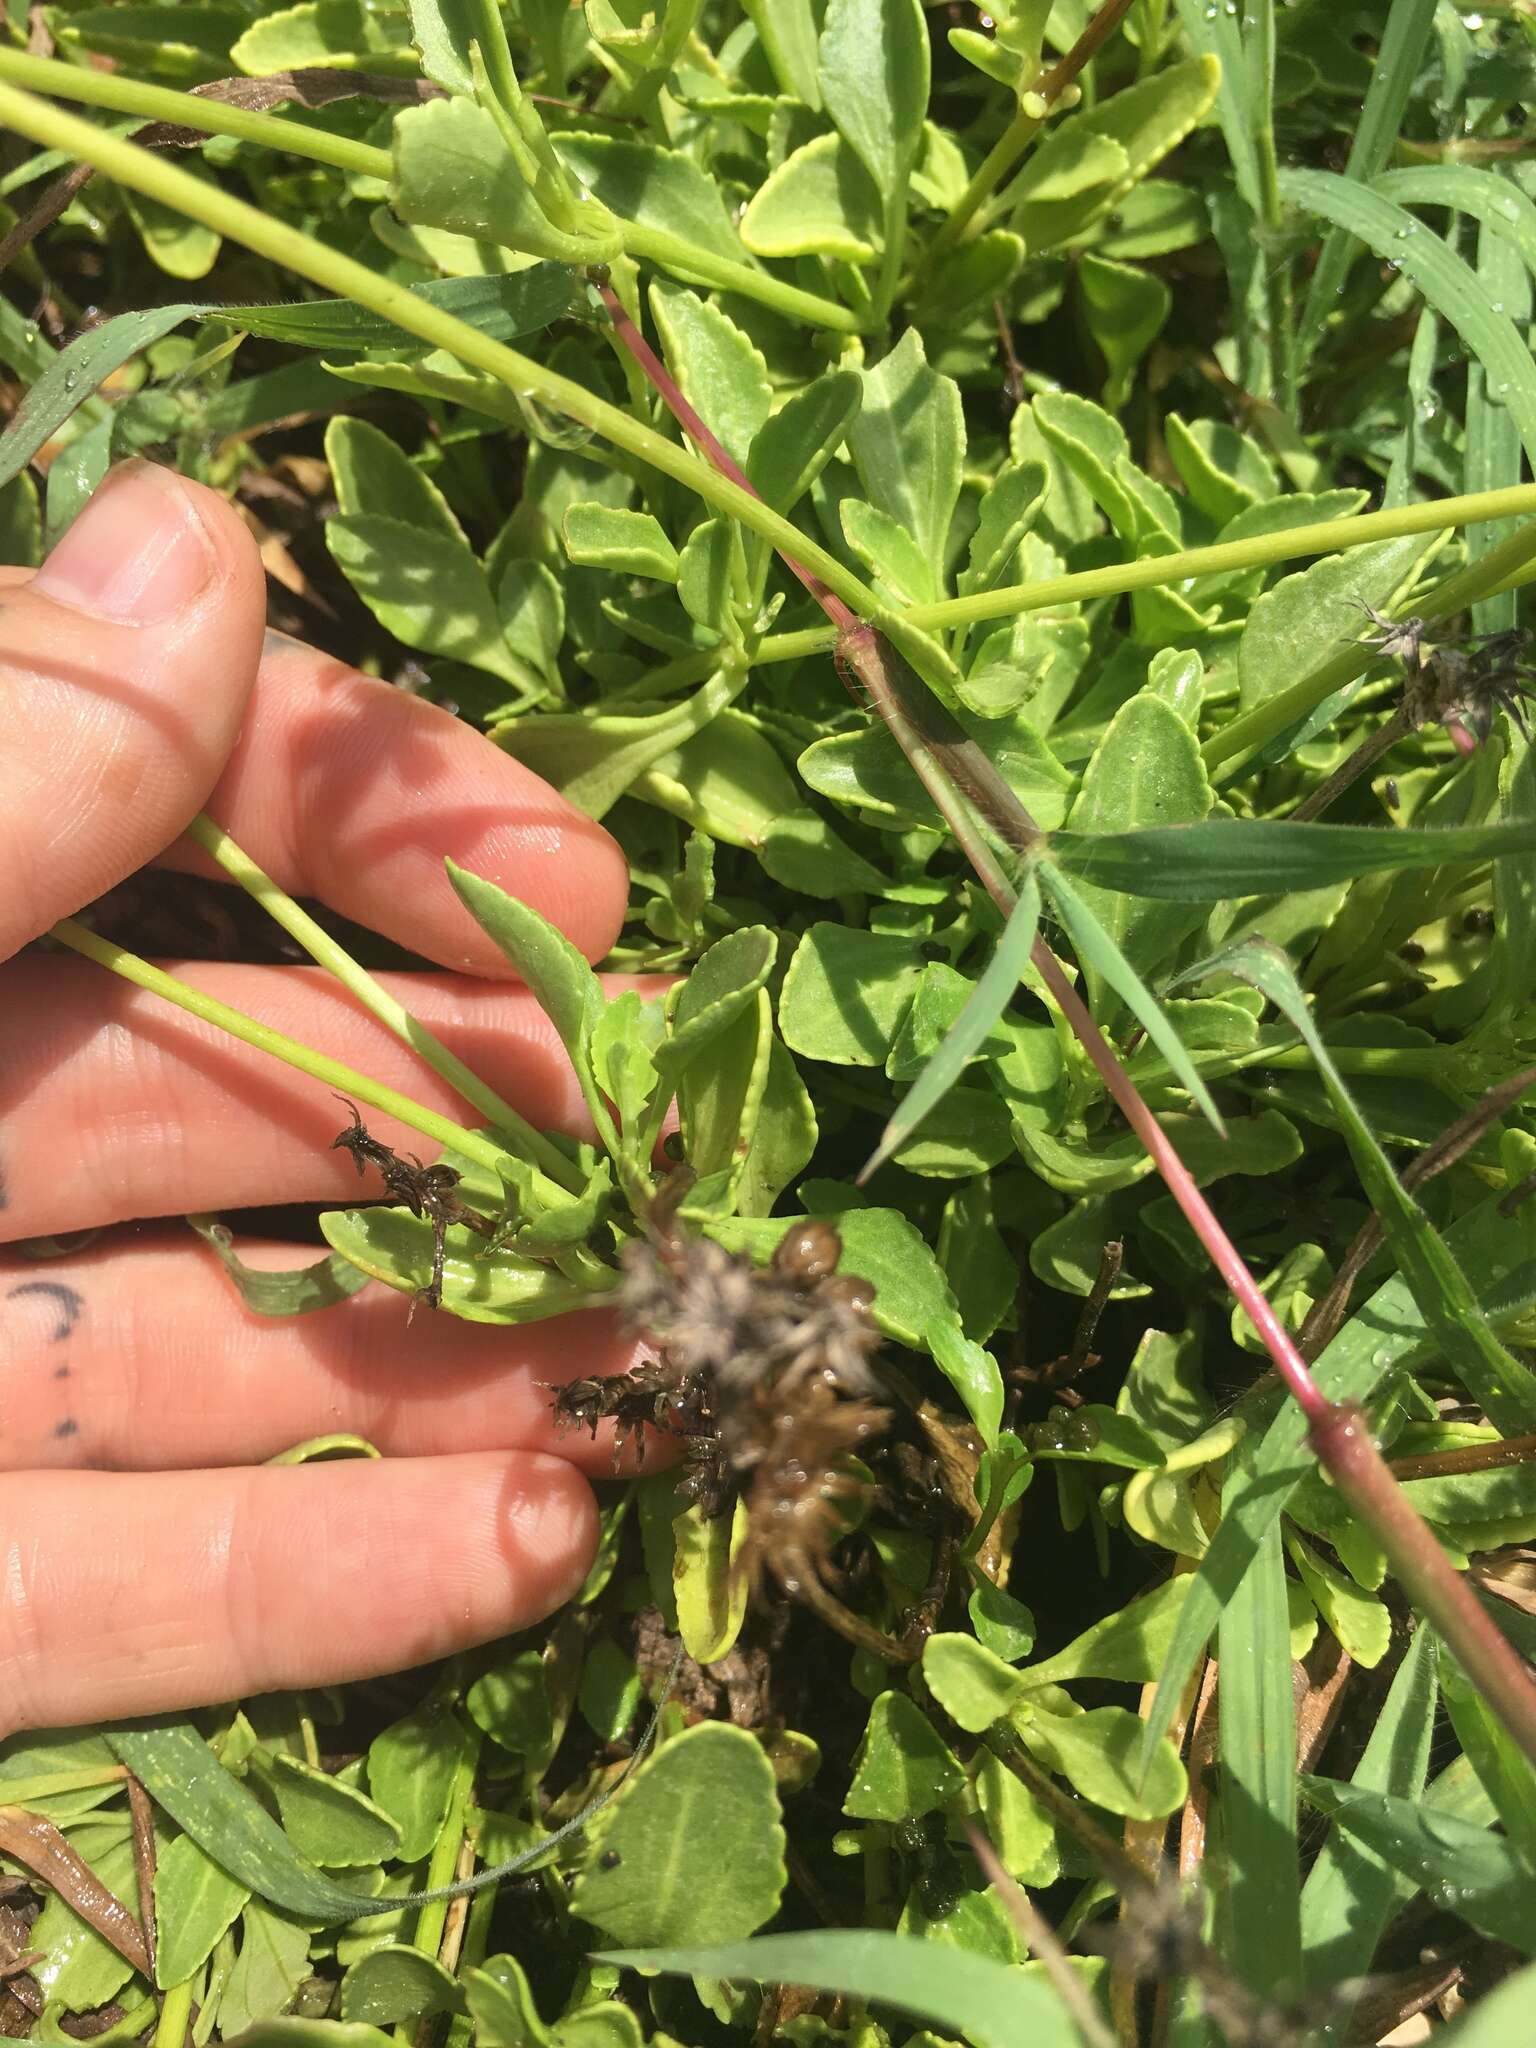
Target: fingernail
(135,554)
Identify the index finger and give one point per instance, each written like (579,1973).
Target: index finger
(347,789)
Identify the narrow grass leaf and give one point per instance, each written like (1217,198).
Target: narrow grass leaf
(1226,858)
(1448,284)
(74,375)
(1497,202)
(1403,40)
(967,1997)
(984,1006)
(1258,1771)
(1096,949)
(1465,1869)
(1351,1893)
(1388,1332)
(1502,1386)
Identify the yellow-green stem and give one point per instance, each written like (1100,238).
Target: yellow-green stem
(126,95)
(355,978)
(143,171)
(175,2017)
(319,1066)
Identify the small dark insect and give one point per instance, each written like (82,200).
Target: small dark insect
(1398,639)
(427,1191)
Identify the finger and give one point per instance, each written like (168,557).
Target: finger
(135,1593)
(128,1107)
(125,664)
(346,789)
(138,1354)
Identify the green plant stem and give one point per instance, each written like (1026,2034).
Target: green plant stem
(271,131)
(318,1065)
(175,2016)
(124,95)
(142,171)
(1024,127)
(1344,1444)
(1234,744)
(336,960)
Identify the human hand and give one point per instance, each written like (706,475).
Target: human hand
(148,1559)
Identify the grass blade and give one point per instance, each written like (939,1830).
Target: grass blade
(1257,1728)
(1501,1385)
(1225,858)
(968,1997)
(1497,202)
(1095,948)
(1403,42)
(1388,1332)
(1448,284)
(1351,1893)
(76,374)
(1464,1868)
(985,1005)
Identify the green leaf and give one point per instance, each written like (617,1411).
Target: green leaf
(1257,1738)
(1464,1869)
(593,758)
(499,307)
(867,769)
(294,2033)
(1234,857)
(711,1596)
(442,31)
(1125,310)
(373,475)
(510,1703)
(181,1773)
(969,1997)
(195,1901)
(1360,1621)
(723,984)
(903,1768)
(790,449)
(74,375)
(1502,1768)
(722,373)
(273,1962)
(425,588)
(819,202)
(711,1784)
(1100,956)
(1498,2018)
(991,997)
(1502,1385)
(1128,1644)
(1448,284)
(564,986)
(396,1983)
(872,65)
(321,1284)
(630,543)
(1100,1754)
(316,32)
(725,778)
(783,1139)
(330,1822)
(658,188)
(1003,1625)
(973,1686)
(908,442)
(1315,608)
(845,992)
(413,1766)
(719,1096)
(505,2015)
(483,1287)
(1145,772)
(1387,1331)
(973,1373)
(453,170)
